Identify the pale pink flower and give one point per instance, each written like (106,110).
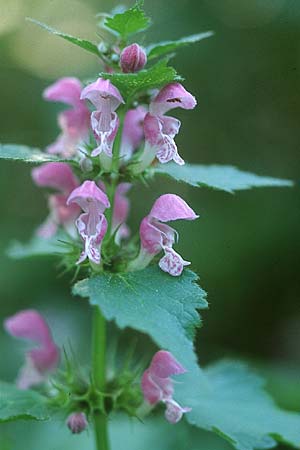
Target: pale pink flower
(105,122)
(92,224)
(133,131)
(58,176)
(73,122)
(157,236)
(160,130)
(133,58)
(40,361)
(77,422)
(121,211)
(157,386)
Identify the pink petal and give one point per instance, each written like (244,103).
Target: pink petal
(101,90)
(55,175)
(171,207)
(152,393)
(133,131)
(164,364)
(29,325)
(88,196)
(66,90)
(173,95)
(121,205)
(105,139)
(174,412)
(172,262)
(151,236)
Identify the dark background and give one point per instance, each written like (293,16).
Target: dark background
(246,246)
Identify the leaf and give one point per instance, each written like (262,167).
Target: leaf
(224,178)
(18,404)
(37,246)
(152,302)
(83,43)
(129,22)
(166,47)
(131,83)
(237,408)
(125,434)
(27,154)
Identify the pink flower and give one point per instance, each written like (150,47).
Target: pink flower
(105,123)
(133,58)
(74,122)
(121,211)
(40,361)
(160,130)
(157,386)
(60,177)
(92,224)
(156,235)
(77,422)
(133,131)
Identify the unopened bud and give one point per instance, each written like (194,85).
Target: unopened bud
(133,58)
(77,422)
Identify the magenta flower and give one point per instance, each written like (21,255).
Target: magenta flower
(133,58)
(74,122)
(133,131)
(60,177)
(92,224)
(157,236)
(160,130)
(105,123)
(40,361)
(121,211)
(77,422)
(157,386)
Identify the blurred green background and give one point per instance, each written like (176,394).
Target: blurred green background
(245,247)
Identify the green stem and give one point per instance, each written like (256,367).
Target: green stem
(99,375)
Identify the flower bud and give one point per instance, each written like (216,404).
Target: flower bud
(77,422)
(133,58)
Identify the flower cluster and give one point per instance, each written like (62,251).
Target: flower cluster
(102,172)
(108,141)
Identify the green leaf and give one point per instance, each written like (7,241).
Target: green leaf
(237,408)
(166,47)
(152,302)
(224,178)
(83,43)
(131,83)
(27,154)
(129,22)
(18,404)
(37,246)
(125,434)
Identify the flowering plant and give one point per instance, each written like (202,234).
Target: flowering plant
(117,133)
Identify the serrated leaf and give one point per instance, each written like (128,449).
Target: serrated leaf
(237,407)
(224,178)
(18,404)
(131,83)
(27,154)
(152,302)
(83,43)
(37,246)
(129,22)
(167,47)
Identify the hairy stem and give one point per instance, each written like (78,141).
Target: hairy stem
(99,375)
